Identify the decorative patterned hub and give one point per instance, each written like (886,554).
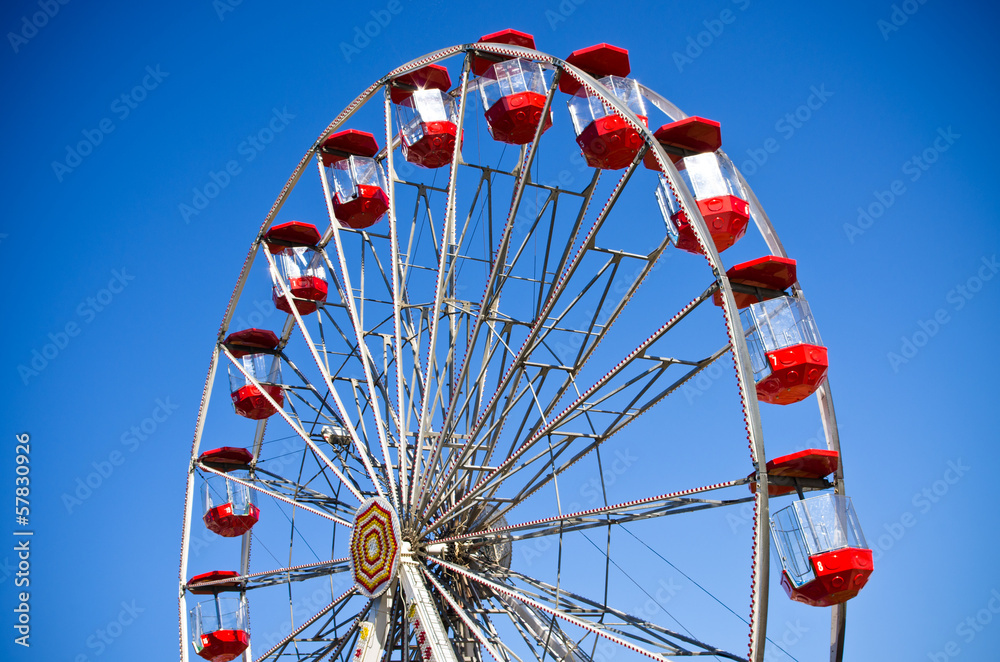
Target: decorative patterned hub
(374,546)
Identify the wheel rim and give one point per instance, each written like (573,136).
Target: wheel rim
(439,518)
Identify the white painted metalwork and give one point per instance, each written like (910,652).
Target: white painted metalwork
(470,400)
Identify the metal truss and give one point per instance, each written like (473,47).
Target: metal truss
(477,348)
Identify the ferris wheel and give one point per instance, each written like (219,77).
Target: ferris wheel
(471,397)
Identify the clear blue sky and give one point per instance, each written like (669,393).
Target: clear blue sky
(100,263)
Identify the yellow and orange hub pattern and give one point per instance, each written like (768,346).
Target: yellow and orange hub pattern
(374,546)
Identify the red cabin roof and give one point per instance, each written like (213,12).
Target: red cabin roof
(294,233)
(233,583)
(770,273)
(480,63)
(598,61)
(433,76)
(231,457)
(812,463)
(686,137)
(348,143)
(250,341)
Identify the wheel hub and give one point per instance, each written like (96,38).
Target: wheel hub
(375,546)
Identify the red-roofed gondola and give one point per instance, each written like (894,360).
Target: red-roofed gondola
(686,137)
(606,140)
(824,556)
(712,180)
(359,198)
(798,471)
(214,582)
(230,510)
(254,349)
(787,354)
(513,90)
(427,115)
(300,266)
(219,628)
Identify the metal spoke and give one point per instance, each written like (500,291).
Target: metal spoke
(569,412)
(276,496)
(449,414)
(499,261)
(651,634)
(280,646)
(647,508)
(281,575)
(511,592)
(298,429)
(469,623)
(362,349)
